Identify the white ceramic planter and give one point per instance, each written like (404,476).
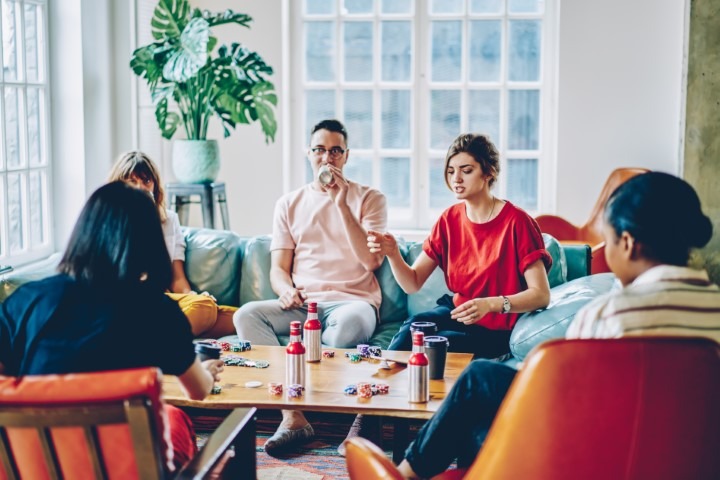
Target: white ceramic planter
(195,161)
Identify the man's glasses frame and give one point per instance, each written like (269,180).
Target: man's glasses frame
(334,152)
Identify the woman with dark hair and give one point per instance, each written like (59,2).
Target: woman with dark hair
(661,295)
(492,254)
(206,317)
(81,320)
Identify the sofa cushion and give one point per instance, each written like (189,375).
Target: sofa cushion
(435,287)
(394,306)
(535,327)
(30,273)
(255,283)
(558,272)
(212,262)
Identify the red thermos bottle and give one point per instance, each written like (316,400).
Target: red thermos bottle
(419,388)
(311,334)
(295,357)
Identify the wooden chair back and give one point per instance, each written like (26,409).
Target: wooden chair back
(90,425)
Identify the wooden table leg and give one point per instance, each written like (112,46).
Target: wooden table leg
(401,431)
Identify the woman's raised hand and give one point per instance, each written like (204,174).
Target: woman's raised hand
(383,243)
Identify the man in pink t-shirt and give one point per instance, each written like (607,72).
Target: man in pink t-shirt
(319,253)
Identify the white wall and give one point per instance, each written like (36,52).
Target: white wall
(620,89)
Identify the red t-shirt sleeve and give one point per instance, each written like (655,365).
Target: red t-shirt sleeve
(530,245)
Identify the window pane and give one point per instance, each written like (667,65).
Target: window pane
(359,117)
(358,51)
(37,208)
(396,111)
(396,6)
(33,42)
(444,117)
(395,181)
(12,128)
(440,194)
(320,106)
(35,115)
(525,6)
(485,50)
(524,62)
(485,6)
(524,119)
(446,51)
(396,51)
(16,241)
(359,6)
(485,113)
(522,182)
(446,6)
(319,6)
(12,41)
(359,169)
(320,51)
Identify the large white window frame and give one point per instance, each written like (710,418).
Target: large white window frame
(420,215)
(20,241)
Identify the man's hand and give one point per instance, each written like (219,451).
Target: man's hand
(338,188)
(471,311)
(293,298)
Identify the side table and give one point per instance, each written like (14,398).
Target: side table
(181,196)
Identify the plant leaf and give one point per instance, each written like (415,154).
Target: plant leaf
(169,19)
(144,65)
(191,54)
(167,121)
(248,102)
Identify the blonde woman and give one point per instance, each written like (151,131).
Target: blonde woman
(207,318)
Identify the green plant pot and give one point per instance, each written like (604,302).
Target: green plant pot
(196,161)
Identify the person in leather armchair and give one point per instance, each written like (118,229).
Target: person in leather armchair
(82,319)
(661,295)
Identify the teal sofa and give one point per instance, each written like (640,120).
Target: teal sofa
(236,269)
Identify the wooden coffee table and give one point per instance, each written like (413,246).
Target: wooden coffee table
(325,383)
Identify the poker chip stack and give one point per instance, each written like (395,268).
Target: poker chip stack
(275,388)
(295,390)
(364,390)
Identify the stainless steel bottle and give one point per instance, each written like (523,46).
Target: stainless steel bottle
(295,357)
(419,387)
(325,176)
(311,334)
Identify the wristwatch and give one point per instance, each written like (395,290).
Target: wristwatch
(506,304)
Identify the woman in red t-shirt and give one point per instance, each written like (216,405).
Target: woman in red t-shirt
(492,254)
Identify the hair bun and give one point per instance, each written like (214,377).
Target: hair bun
(700,230)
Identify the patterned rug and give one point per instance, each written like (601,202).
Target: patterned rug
(317,460)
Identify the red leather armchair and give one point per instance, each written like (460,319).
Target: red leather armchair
(630,408)
(105,425)
(591,232)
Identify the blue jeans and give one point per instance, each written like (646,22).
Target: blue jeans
(480,341)
(458,428)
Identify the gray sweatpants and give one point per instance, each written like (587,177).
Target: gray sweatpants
(344,324)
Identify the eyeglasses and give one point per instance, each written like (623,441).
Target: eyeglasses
(335,152)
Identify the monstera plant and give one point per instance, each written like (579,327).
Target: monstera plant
(191,80)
